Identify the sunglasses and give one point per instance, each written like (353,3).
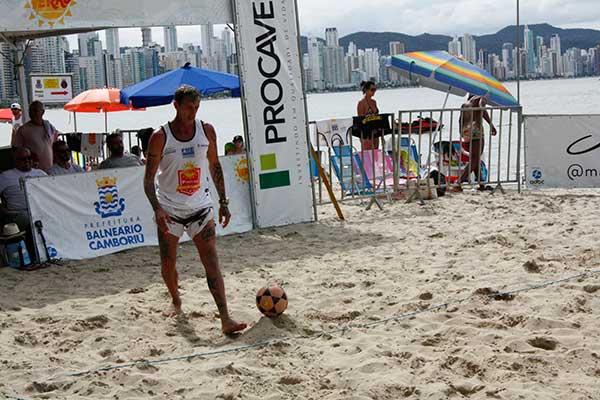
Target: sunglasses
(28,158)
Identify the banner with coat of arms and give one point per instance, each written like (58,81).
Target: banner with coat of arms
(96,213)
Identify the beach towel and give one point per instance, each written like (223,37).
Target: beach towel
(91,144)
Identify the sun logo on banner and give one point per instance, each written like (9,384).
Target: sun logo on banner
(49,12)
(110,205)
(241,170)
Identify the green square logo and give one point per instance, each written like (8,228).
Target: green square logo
(268,162)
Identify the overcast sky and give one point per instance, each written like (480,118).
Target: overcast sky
(415,17)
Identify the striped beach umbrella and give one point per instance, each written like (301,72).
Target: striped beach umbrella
(440,71)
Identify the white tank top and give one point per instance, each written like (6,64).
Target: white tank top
(182,180)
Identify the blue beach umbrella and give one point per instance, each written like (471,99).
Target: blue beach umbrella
(159,90)
(440,71)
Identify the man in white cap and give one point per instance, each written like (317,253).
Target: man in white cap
(17,121)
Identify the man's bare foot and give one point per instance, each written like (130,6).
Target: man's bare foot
(172,311)
(230,326)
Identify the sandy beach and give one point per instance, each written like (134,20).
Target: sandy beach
(538,344)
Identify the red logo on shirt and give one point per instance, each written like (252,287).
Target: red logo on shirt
(189,179)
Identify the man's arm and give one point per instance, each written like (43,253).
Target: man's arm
(17,139)
(155,148)
(216,171)
(213,160)
(486,116)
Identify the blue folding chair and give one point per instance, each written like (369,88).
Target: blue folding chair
(348,170)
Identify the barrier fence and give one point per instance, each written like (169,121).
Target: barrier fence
(130,139)
(426,148)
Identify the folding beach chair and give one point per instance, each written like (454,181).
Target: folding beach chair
(378,169)
(349,175)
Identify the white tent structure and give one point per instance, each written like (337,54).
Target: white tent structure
(273,100)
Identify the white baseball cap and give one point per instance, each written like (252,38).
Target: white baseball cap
(15,106)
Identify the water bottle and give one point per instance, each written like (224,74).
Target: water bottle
(17,255)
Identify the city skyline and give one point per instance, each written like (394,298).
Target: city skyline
(132,37)
(327,65)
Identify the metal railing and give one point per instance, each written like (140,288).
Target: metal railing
(130,139)
(427,146)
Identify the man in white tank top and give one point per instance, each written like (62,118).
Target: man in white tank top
(183,152)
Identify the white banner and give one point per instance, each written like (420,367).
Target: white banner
(38,17)
(52,88)
(562,151)
(275,111)
(102,212)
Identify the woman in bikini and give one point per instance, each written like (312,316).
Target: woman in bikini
(368,106)
(472,133)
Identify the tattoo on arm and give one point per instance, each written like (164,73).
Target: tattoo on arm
(217,175)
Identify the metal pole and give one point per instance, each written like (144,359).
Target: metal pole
(518,53)
(245,118)
(306,127)
(23,92)
(519,132)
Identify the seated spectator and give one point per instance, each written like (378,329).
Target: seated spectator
(238,142)
(37,135)
(14,205)
(62,160)
(137,151)
(229,149)
(118,158)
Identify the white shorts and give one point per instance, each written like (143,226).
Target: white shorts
(192,223)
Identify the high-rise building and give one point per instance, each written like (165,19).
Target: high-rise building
(146,37)
(150,63)
(539,48)
(207,38)
(89,44)
(72,67)
(49,56)
(226,37)
(469,48)
(556,47)
(352,49)
(507,56)
(530,50)
(396,48)
(596,60)
(372,64)
(91,61)
(333,66)
(331,37)
(8,89)
(112,42)
(315,57)
(455,47)
(483,60)
(333,60)
(113,73)
(170,36)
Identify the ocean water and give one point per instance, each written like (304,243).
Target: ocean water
(566,96)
